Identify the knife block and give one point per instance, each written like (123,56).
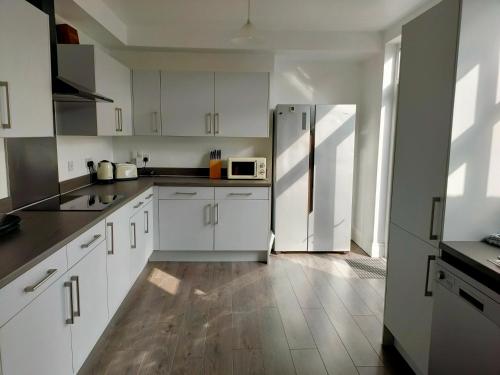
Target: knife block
(215,169)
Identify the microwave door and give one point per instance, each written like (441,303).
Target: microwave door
(244,169)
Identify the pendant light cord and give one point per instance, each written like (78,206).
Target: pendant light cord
(248,13)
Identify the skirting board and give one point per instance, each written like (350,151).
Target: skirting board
(209,256)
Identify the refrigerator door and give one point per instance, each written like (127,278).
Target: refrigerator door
(292,146)
(331,208)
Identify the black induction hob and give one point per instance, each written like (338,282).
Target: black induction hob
(68,202)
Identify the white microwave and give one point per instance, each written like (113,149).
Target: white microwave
(246,168)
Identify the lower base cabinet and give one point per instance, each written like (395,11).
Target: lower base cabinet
(88,278)
(241,225)
(38,339)
(409,302)
(137,249)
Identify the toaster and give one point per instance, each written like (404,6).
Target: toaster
(125,171)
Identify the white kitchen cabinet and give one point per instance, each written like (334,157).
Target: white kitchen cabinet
(241,105)
(148,229)
(89,283)
(186,224)
(187,103)
(113,80)
(409,282)
(146,92)
(38,339)
(118,258)
(137,244)
(25,73)
(241,224)
(92,68)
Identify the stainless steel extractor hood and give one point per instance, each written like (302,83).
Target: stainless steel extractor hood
(64,90)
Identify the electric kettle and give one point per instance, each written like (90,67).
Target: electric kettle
(105,171)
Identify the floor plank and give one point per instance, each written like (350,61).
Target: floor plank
(308,362)
(248,362)
(218,352)
(335,356)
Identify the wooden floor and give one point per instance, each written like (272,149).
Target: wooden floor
(301,314)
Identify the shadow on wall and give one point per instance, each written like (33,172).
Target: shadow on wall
(473,196)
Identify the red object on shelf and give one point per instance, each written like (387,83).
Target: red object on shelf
(67,34)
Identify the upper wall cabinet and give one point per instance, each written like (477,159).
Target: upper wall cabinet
(25,76)
(97,71)
(241,105)
(146,91)
(187,103)
(201,104)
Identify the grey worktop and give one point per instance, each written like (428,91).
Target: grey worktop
(44,232)
(472,259)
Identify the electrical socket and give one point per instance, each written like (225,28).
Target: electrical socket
(71,165)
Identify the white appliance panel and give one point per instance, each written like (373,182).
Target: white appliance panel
(330,217)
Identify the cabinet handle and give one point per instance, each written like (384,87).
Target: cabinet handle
(34,287)
(435,200)
(150,196)
(155,122)
(304,120)
(117,119)
(138,205)
(71,319)
(185,193)
(207,212)
(208,123)
(77,280)
(241,194)
(112,251)
(5,103)
(216,123)
(134,244)
(428,293)
(88,244)
(146,215)
(121,119)
(216,213)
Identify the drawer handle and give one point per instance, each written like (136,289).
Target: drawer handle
(77,280)
(240,194)
(146,222)
(432,235)
(5,121)
(183,193)
(88,244)
(71,319)
(134,245)
(34,287)
(138,205)
(149,196)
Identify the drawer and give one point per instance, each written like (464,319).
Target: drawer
(14,296)
(185,192)
(141,200)
(85,243)
(242,193)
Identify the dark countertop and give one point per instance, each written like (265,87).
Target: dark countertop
(472,259)
(43,233)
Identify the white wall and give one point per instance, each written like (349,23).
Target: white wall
(187,152)
(77,149)
(367,135)
(473,199)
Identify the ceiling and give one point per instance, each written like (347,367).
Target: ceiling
(342,27)
(273,15)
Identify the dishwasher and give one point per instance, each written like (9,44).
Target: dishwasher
(465,326)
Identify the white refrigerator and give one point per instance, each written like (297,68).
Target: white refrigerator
(313,177)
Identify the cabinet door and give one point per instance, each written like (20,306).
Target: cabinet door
(148,231)
(408,311)
(425,107)
(186,224)
(89,281)
(146,102)
(38,339)
(187,103)
(118,260)
(241,105)
(241,225)
(113,80)
(137,245)
(25,75)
